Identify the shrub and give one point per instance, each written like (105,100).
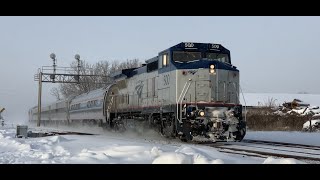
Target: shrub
(263,119)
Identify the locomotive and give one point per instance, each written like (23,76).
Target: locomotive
(189,91)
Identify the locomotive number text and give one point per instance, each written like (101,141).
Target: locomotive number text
(189,45)
(215,46)
(166,79)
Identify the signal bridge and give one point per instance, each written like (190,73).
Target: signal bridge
(54,74)
(65,75)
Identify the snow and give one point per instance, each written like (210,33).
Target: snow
(314,122)
(261,99)
(302,111)
(114,148)
(271,160)
(256,99)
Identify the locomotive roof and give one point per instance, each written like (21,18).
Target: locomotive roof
(92,94)
(198,46)
(208,47)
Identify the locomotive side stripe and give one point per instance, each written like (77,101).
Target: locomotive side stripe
(203,104)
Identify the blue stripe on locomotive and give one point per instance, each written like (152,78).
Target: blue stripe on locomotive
(197,64)
(202,63)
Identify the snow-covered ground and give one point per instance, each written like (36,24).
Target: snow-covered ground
(114,148)
(286,136)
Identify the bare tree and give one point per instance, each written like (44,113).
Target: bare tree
(56,93)
(102,68)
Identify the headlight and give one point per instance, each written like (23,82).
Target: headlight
(201,113)
(212,71)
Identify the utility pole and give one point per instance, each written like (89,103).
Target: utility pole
(39,98)
(60,75)
(77,57)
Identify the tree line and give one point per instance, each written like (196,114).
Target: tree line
(103,69)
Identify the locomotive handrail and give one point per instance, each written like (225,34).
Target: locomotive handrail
(235,88)
(182,95)
(245,104)
(179,101)
(224,91)
(181,92)
(183,98)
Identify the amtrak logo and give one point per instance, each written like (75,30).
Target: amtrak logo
(234,74)
(192,72)
(138,88)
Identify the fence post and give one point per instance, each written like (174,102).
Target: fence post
(310,127)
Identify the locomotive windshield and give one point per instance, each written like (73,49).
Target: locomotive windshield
(185,56)
(219,57)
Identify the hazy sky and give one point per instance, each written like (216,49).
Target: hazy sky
(274,54)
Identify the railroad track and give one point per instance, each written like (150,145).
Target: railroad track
(284,144)
(69,133)
(265,149)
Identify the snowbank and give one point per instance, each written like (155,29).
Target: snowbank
(271,160)
(114,148)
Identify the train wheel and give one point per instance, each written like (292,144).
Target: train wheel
(240,135)
(119,127)
(168,127)
(185,134)
(241,131)
(183,138)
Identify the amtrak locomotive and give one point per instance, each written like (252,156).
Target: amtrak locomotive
(190,91)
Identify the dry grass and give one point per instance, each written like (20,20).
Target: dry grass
(263,119)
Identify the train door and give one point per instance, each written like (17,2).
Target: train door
(202,88)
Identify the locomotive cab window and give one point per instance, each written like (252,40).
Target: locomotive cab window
(163,60)
(219,57)
(186,56)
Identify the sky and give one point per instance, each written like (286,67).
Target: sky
(273,54)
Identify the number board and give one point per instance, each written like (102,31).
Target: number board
(214,46)
(190,45)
